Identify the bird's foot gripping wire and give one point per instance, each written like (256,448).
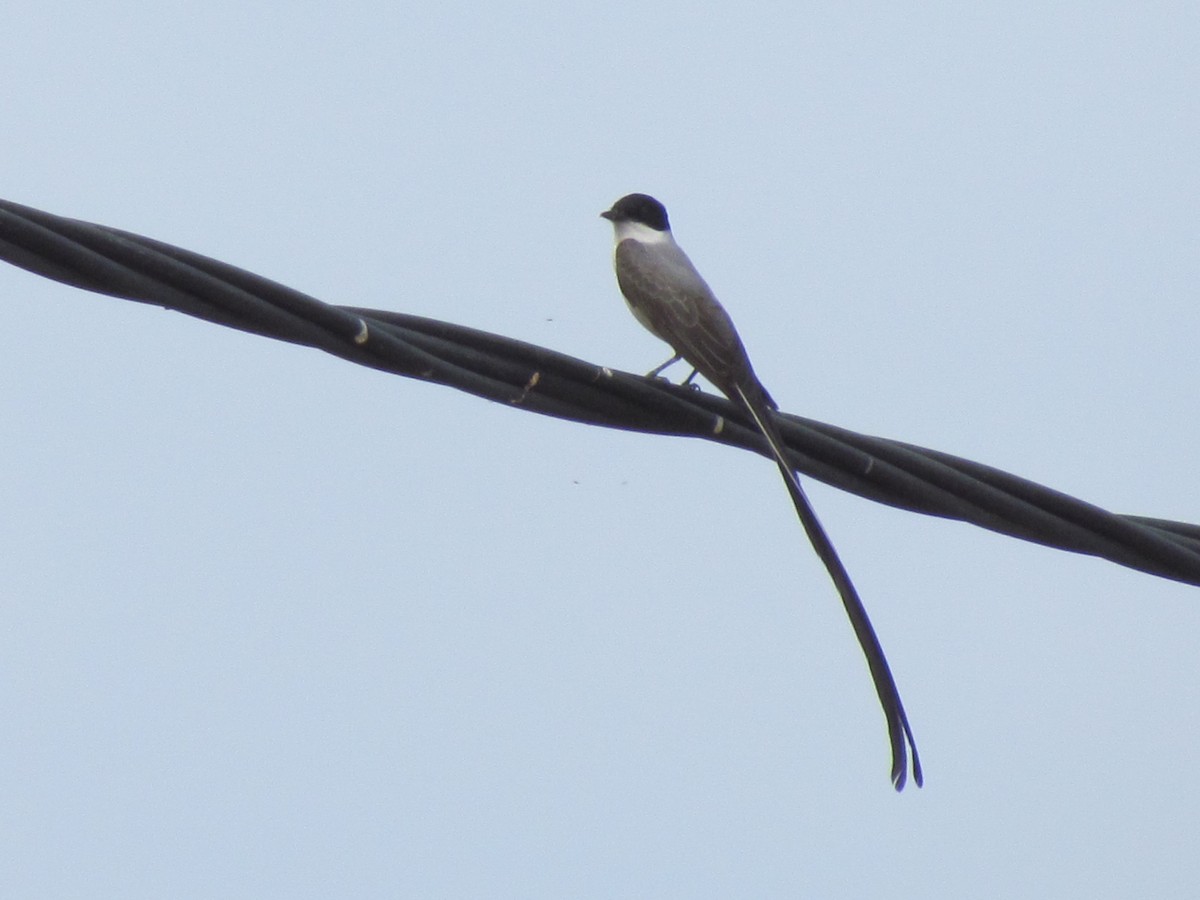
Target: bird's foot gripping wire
(657,372)
(689,382)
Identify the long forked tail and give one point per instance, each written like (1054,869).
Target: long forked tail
(899,731)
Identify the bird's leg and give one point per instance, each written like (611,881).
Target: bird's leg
(654,373)
(687,382)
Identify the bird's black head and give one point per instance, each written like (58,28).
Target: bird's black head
(640,208)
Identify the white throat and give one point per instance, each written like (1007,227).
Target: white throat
(636,231)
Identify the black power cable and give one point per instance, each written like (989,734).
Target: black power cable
(110,261)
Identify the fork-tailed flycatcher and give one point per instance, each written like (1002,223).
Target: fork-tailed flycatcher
(670,298)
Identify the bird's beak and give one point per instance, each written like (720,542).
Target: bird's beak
(607,214)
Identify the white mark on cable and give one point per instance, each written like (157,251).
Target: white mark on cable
(529,386)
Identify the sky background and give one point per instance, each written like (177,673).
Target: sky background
(280,626)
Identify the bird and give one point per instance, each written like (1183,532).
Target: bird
(666,294)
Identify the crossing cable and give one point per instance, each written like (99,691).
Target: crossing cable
(114,262)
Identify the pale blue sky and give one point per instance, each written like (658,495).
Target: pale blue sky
(277,626)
